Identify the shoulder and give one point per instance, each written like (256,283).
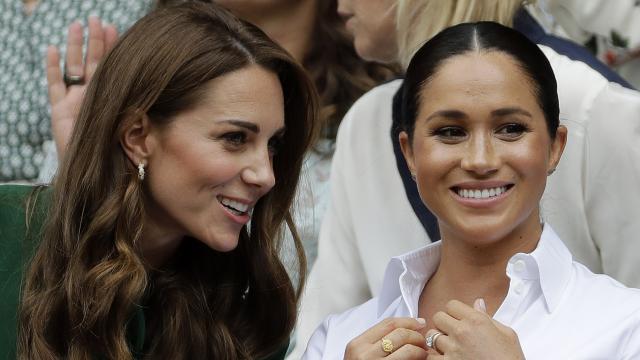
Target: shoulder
(609,305)
(366,126)
(22,209)
(373,106)
(606,290)
(13,202)
(596,96)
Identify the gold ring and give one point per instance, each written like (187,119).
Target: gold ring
(387,345)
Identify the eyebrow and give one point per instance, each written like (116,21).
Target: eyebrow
(459,115)
(510,111)
(243,124)
(450,114)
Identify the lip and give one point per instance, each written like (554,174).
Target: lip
(481,203)
(349,23)
(239,219)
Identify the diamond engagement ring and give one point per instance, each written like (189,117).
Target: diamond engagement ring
(431,340)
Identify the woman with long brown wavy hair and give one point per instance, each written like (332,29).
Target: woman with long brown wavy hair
(161,236)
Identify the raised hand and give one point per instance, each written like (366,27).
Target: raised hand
(66,91)
(470,333)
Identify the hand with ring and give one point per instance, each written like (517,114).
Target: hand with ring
(66,90)
(464,332)
(392,338)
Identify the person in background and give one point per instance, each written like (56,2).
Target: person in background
(500,284)
(159,237)
(589,200)
(612,29)
(26,28)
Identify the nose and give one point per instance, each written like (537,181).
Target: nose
(259,172)
(480,156)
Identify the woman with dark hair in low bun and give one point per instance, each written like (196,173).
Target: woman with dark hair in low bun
(161,232)
(479,129)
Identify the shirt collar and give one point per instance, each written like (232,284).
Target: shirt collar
(550,263)
(406,275)
(554,264)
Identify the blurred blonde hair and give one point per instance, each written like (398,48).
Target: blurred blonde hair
(419,20)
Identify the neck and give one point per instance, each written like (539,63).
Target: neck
(290,25)
(468,271)
(158,243)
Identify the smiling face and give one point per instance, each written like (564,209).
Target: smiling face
(481,150)
(212,163)
(373,26)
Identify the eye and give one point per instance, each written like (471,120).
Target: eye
(450,133)
(235,139)
(275,143)
(512,131)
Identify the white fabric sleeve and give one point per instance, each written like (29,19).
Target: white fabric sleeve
(612,166)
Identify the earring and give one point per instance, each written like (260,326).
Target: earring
(551,171)
(141,172)
(413,176)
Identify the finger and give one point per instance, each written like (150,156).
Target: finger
(110,37)
(408,352)
(73,61)
(386,326)
(445,323)
(436,357)
(95,46)
(460,310)
(443,343)
(55,83)
(399,338)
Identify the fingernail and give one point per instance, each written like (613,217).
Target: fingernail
(422,322)
(480,305)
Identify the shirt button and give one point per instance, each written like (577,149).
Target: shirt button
(519,266)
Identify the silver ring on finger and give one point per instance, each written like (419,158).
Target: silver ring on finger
(70,80)
(431,340)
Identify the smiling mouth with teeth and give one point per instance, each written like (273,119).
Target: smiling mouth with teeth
(486,193)
(235,207)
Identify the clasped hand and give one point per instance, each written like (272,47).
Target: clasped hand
(466,333)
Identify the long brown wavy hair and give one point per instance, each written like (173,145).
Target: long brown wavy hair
(88,277)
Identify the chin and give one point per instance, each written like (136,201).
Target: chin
(224,243)
(482,232)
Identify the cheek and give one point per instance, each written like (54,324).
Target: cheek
(193,165)
(433,162)
(527,158)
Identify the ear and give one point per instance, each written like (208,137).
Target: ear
(557,147)
(407,150)
(136,138)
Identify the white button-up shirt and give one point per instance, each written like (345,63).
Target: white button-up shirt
(558,308)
